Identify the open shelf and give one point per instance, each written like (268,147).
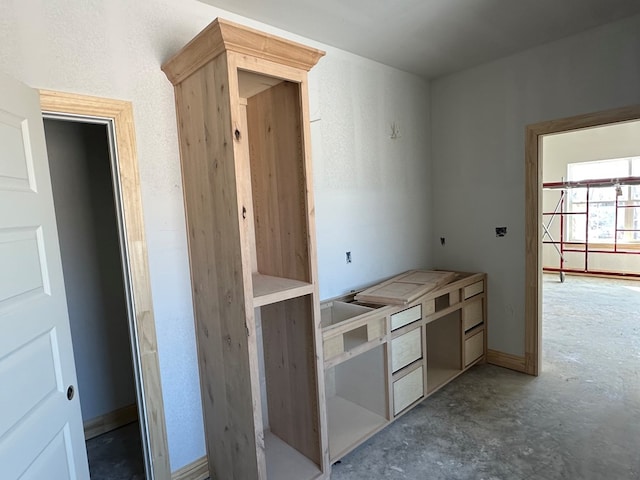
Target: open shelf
(285,462)
(444,351)
(289,400)
(356,400)
(268,289)
(349,422)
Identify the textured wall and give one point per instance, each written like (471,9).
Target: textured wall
(372,194)
(86,218)
(478,123)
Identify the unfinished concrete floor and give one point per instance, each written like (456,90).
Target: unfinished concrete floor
(117,455)
(579,420)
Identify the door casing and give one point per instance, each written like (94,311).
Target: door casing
(118,115)
(533,216)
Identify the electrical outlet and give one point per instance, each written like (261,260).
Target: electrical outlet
(348,257)
(501,231)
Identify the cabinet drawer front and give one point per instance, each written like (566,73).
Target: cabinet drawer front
(472,315)
(405,317)
(407,390)
(473,289)
(406,349)
(473,348)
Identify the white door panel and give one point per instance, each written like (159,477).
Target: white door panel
(16,169)
(41,434)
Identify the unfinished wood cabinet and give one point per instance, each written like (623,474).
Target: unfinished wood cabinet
(243,122)
(419,345)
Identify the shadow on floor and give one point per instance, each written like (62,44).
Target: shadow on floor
(117,455)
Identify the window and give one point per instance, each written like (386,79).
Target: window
(603,211)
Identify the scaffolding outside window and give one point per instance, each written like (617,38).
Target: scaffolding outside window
(608,205)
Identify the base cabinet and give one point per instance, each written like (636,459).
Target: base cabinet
(356,399)
(424,345)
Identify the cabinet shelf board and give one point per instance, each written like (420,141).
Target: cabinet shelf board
(286,463)
(349,424)
(268,289)
(437,377)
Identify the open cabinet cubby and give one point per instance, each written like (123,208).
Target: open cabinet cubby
(271,160)
(243,121)
(288,393)
(349,328)
(444,350)
(357,403)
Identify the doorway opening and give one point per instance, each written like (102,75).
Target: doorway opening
(97,298)
(591,260)
(534,208)
(591,201)
(116,118)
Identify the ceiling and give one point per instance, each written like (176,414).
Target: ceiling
(432,37)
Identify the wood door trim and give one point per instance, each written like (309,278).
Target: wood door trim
(533,199)
(121,114)
(110,421)
(196,470)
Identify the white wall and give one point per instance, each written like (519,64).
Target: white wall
(620,140)
(478,123)
(85,214)
(372,194)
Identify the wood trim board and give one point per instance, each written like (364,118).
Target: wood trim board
(222,35)
(121,114)
(533,216)
(196,470)
(110,421)
(506,360)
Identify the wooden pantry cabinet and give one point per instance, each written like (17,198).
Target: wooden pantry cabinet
(243,123)
(385,354)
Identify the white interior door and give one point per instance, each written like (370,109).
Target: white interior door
(41,433)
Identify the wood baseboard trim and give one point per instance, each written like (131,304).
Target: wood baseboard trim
(196,470)
(506,360)
(110,421)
